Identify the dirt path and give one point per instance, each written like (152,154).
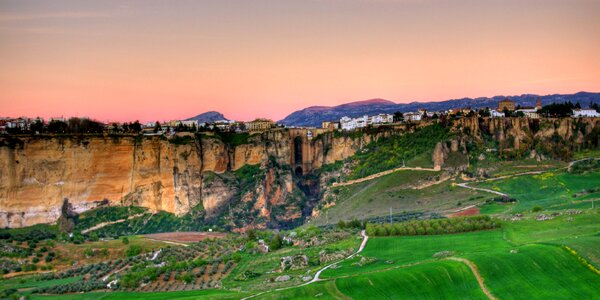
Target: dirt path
(475,271)
(377,175)
(464,185)
(167,242)
(316,277)
(103,224)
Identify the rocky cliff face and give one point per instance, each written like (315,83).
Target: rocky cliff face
(515,138)
(37,173)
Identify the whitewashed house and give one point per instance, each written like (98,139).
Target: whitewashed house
(585,112)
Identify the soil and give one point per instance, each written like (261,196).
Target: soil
(185,237)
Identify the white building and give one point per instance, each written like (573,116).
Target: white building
(496,114)
(412,116)
(529,112)
(347,123)
(585,112)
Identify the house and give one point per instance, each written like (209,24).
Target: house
(381,119)
(585,112)
(260,125)
(529,112)
(496,114)
(506,104)
(331,125)
(412,116)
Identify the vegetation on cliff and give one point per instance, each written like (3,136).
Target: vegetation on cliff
(394,151)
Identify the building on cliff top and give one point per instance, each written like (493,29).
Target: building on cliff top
(260,125)
(506,104)
(585,112)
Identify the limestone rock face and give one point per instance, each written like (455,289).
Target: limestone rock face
(38,172)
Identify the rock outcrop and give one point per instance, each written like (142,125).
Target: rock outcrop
(38,172)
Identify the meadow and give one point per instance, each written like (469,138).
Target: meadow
(402,191)
(552,190)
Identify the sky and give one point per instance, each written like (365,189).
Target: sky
(161,60)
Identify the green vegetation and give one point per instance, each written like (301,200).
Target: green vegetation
(548,190)
(432,227)
(199,294)
(402,191)
(391,152)
(106,214)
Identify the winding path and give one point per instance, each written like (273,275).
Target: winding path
(464,185)
(475,271)
(316,277)
(377,175)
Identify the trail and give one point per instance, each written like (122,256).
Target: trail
(464,185)
(167,242)
(316,277)
(475,271)
(103,224)
(377,175)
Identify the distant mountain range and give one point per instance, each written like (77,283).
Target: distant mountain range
(207,117)
(313,116)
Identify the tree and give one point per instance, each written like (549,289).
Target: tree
(276,242)
(341,224)
(125,240)
(37,126)
(133,250)
(157,127)
(398,117)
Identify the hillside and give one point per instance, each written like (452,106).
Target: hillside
(314,115)
(207,117)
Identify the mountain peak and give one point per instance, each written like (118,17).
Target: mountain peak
(209,116)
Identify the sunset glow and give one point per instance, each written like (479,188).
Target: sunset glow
(160,60)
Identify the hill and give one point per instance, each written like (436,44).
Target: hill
(209,116)
(314,115)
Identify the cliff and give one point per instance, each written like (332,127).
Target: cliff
(38,172)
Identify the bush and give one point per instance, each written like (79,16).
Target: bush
(537,209)
(435,226)
(133,250)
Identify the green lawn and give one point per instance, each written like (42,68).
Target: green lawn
(549,190)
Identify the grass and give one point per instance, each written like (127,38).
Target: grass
(549,189)
(31,282)
(179,295)
(524,260)
(375,197)
(537,272)
(437,280)
(398,251)
(267,263)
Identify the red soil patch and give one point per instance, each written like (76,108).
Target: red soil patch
(185,237)
(467,212)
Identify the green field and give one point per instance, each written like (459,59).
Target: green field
(183,295)
(397,191)
(437,280)
(551,190)
(524,260)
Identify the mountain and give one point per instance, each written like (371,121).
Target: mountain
(209,116)
(314,115)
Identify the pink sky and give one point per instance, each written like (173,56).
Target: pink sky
(161,60)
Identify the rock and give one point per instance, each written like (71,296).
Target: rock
(306,278)
(282,278)
(481,156)
(294,262)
